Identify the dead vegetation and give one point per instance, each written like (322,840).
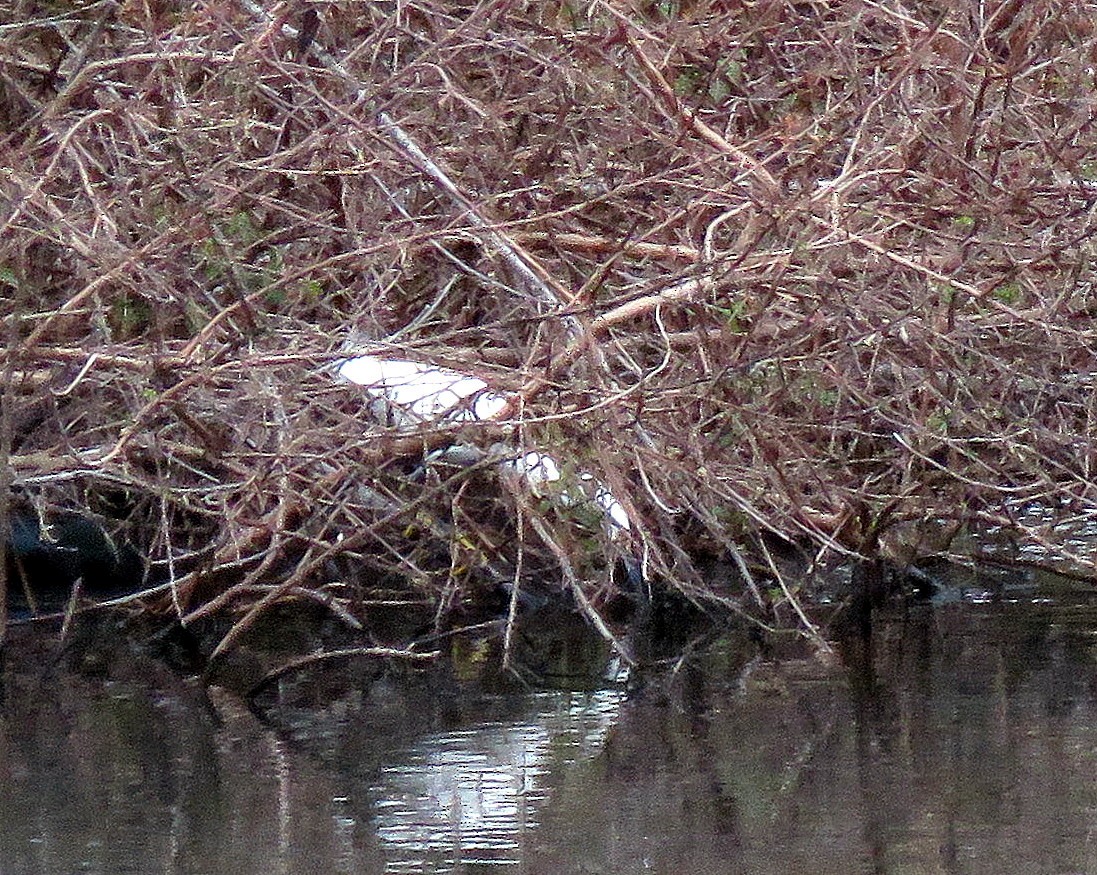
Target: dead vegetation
(817,270)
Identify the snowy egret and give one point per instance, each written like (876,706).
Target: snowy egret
(410,393)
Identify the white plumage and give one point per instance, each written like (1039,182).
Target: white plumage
(411,393)
(423,392)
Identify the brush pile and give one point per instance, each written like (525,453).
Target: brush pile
(810,275)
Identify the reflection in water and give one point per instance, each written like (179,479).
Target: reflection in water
(965,741)
(470,797)
(967,744)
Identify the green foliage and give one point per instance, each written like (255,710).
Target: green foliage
(669,9)
(129,316)
(733,314)
(737,522)
(716,82)
(688,81)
(808,389)
(231,254)
(946,291)
(1008,293)
(938,421)
(312,291)
(240,228)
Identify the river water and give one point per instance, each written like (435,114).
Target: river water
(963,740)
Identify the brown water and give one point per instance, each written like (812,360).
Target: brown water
(968,744)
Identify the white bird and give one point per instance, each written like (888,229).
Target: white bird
(410,393)
(421,392)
